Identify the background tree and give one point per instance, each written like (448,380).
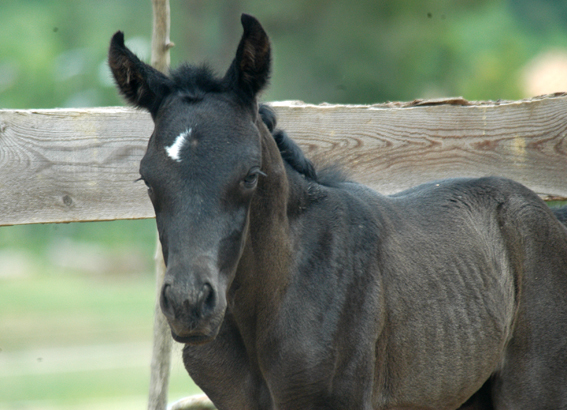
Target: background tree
(52,53)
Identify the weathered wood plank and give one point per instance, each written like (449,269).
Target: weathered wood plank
(392,149)
(72,165)
(79,165)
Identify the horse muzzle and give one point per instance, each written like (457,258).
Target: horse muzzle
(194,313)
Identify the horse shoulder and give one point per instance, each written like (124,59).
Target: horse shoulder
(322,342)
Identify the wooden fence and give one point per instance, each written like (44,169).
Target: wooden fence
(70,165)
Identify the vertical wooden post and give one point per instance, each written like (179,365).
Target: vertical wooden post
(161,353)
(160,35)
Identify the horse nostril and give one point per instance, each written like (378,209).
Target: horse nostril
(165,304)
(208,299)
(200,305)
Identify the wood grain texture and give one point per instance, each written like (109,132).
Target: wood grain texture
(72,165)
(80,165)
(392,149)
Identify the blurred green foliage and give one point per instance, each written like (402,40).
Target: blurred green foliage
(52,52)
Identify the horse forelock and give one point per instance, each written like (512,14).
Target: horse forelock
(193,82)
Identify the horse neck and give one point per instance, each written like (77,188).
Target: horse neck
(262,273)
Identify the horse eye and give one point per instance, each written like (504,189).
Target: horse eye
(145,182)
(252,178)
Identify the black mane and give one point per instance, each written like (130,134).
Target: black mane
(294,156)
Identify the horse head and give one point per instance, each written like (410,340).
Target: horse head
(202,168)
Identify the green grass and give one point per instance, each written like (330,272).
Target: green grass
(43,311)
(80,388)
(72,336)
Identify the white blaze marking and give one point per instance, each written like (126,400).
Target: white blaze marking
(174,149)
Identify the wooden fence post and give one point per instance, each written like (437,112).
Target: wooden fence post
(161,350)
(161,353)
(160,35)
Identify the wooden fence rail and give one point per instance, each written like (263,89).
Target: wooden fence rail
(69,165)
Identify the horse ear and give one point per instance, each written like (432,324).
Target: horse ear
(142,85)
(250,69)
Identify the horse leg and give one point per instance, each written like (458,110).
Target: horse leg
(533,375)
(532,380)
